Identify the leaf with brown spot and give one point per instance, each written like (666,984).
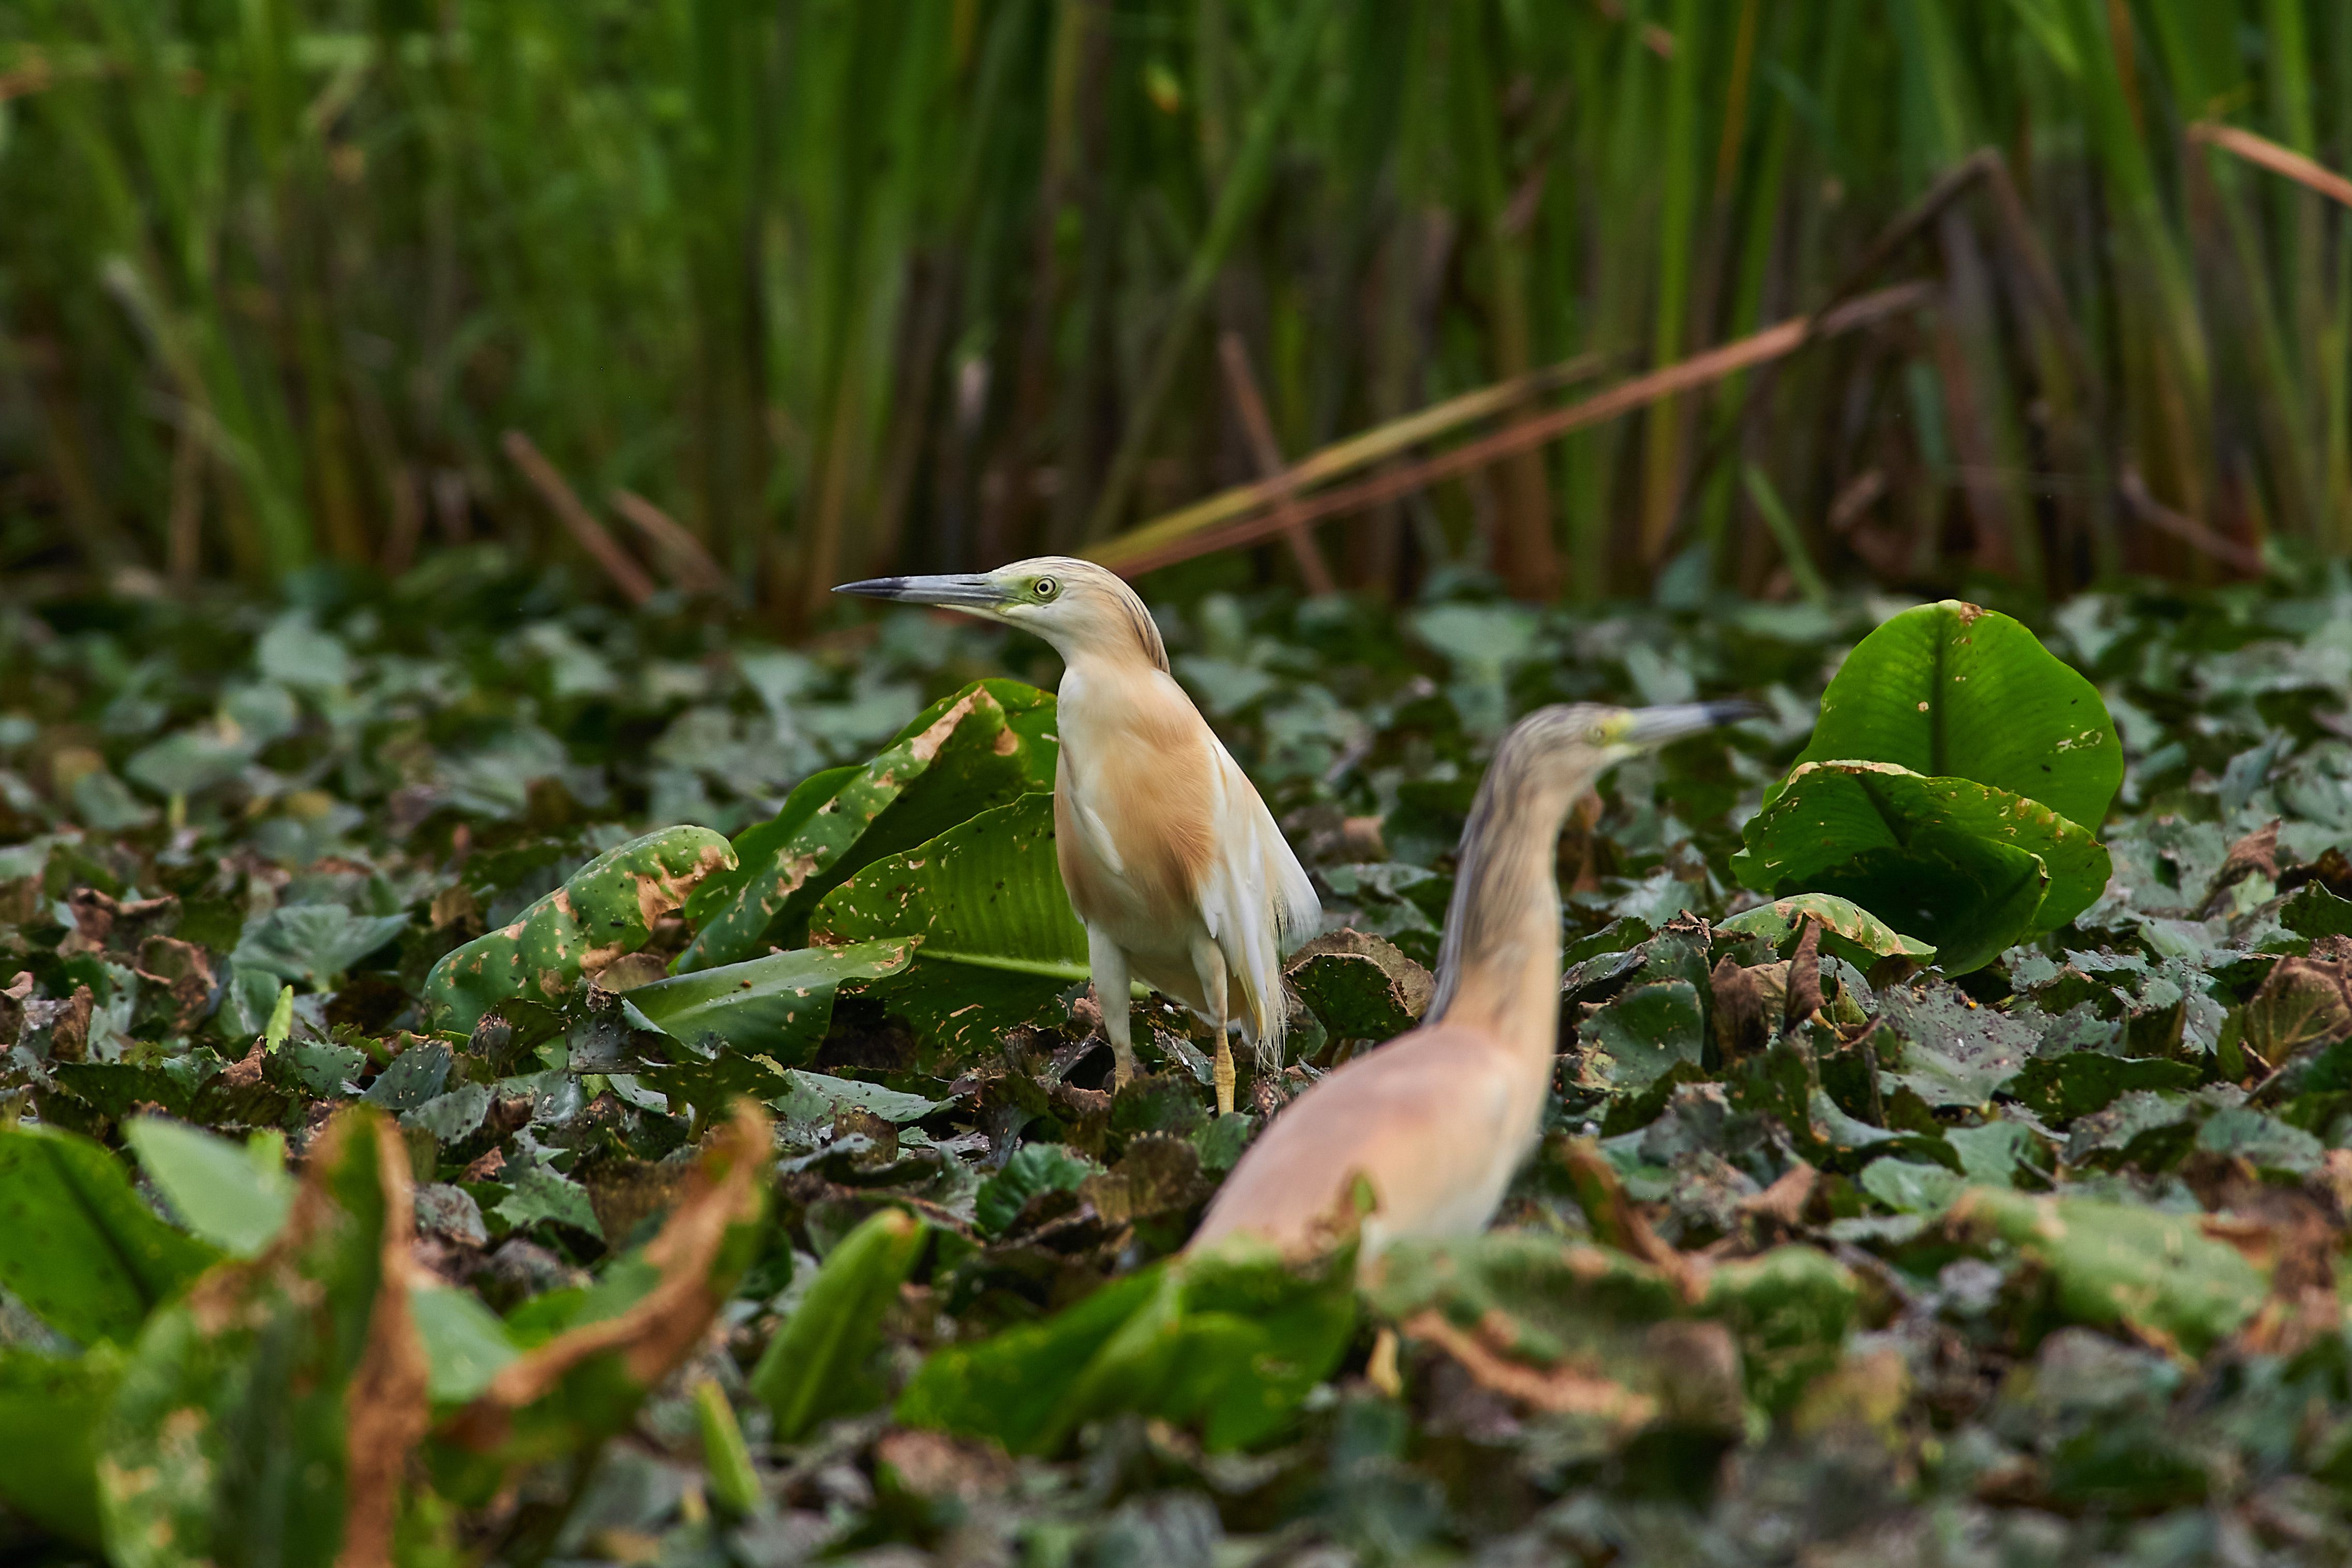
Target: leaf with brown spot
(603,910)
(275,1408)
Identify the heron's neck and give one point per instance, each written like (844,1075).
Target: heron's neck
(1499,967)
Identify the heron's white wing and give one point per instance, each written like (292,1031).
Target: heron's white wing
(1255,899)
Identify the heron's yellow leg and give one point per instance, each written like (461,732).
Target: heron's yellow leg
(1106,961)
(1209,963)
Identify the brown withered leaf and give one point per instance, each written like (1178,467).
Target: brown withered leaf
(183,972)
(386,1409)
(1739,1026)
(101,922)
(1804,996)
(660,1331)
(2303,1002)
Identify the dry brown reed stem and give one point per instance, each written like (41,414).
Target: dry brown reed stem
(1132,554)
(690,565)
(1374,445)
(2278,159)
(618,564)
(1250,406)
(2186,529)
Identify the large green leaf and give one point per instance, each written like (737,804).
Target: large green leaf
(49,1412)
(987,745)
(1961,865)
(998,938)
(739,1029)
(604,909)
(1577,1328)
(1229,1341)
(235,1436)
(2120,1266)
(78,1245)
(1951,690)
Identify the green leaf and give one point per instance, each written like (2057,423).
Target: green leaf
(999,939)
(1950,690)
(235,1198)
(1632,1041)
(819,1096)
(1948,1050)
(465,1343)
(1033,1168)
(1848,930)
(1229,1342)
(780,1004)
(1970,868)
(313,942)
(226,1441)
(49,1414)
(1790,1309)
(542,1194)
(2080,1081)
(2312,911)
(1361,986)
(2114,1266)
(191,1087)
(1910,1188)
(726,1459)
(604,909)
(77,1246)
(818,1364)
(1595,1330)
(986,746)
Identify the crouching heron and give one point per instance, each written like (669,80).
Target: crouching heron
(1438,1120)
(1172,863)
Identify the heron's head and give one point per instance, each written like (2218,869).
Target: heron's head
(1080,608)
(1566,748)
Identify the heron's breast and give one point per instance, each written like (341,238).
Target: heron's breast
(1135,809)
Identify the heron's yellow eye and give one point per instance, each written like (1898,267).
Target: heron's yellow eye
(1044,588)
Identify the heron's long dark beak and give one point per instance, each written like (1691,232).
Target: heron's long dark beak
(961,591)
(1658,725)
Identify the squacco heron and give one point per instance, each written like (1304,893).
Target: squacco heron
(1172,863)
(1437,1120)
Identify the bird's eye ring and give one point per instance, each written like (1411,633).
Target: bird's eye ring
(1045,587)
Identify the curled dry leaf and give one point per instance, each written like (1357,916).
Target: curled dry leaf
(653,1337)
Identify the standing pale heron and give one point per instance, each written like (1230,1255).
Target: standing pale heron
(1437,1120)
(1171,861)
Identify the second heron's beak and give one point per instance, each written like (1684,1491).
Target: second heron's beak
(1643,727)
(958,591)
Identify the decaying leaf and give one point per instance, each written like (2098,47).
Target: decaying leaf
(214,1443)
(603,910)
(2113,1265)
(1360,985)
(693,1261)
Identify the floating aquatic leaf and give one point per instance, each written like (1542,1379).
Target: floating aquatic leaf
(1964,866)
(999,940)
(985,747)
(1953,690)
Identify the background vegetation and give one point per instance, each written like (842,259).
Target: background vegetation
(844,285)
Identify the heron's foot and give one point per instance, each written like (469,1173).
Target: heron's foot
(1122,1069)
(1224,1077)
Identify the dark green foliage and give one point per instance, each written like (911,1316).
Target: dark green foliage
(2060,1270)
